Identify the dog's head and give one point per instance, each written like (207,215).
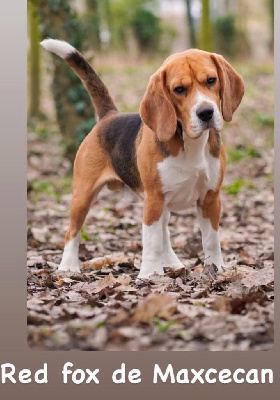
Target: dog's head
(191,87)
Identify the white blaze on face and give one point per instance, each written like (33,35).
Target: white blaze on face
(199,126)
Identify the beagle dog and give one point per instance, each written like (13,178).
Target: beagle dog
(170,153)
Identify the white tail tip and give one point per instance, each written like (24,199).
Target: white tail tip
(59,47)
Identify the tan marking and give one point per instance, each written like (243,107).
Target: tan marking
(172,147)
(222,165)
(115,185)
(148,156)
(232,86)
(175,145)
(156,108)
(211,208)
(211,205)
(214,142)
(153,207)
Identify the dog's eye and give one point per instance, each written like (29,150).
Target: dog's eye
(180,90)
(211,81)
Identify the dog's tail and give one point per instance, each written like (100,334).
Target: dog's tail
(98,92)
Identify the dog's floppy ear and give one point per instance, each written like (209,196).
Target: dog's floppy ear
(156,109)
(232,86)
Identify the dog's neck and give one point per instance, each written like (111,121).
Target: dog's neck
(179,130)
(195,146)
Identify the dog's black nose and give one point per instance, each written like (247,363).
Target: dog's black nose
(205,113)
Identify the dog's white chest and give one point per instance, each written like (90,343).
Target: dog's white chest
(188,176)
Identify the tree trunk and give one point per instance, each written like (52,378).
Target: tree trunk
(93,23)
(271,13)
(34,61)
(191,27)
(206,28)
(74,110)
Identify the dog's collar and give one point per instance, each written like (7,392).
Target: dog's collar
(179,129)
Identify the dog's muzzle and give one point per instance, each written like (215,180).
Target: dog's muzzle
(205,113)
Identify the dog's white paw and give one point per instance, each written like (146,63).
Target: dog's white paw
(69,263)
(69,268)
(149,268)
(217,261)
(172,261)
(70,257)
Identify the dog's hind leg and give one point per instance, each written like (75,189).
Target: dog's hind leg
(91,173)
(83,196)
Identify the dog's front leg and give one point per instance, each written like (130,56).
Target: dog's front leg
(152,237)
(169,257)
(209,218)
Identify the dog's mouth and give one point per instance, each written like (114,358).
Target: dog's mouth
(196,131)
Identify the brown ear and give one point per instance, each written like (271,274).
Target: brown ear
(156,109)
(232,86)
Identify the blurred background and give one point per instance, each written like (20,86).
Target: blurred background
(126,41)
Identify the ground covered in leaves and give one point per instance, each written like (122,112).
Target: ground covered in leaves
(105,307)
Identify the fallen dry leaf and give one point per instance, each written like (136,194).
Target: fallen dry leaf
(155,305)
(107,261)
(257,278)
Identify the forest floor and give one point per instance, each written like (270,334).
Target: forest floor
(104,307)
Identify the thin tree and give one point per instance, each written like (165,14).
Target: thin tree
(93,23)
(206,28)
(190,22)
(34,60)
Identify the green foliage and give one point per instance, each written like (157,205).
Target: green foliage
(270,5)
(269,177)
(95,237)
(265,120)
(137,16)
(51,189)
(238,185)
(92,22)
(48,188)
(84,235)
(84,128)
(238,153)
(44,130)
(225,34)
(146,27)
(163,326)
(200,304)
